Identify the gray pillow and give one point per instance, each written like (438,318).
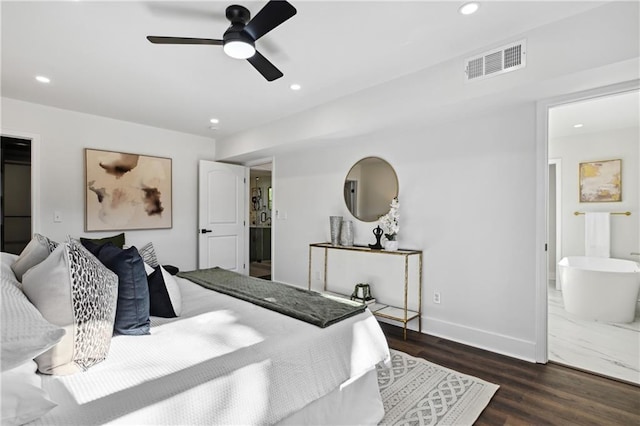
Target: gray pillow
(35,252)
(72,289)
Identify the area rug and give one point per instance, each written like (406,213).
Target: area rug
(417,392)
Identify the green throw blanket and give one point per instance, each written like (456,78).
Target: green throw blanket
(305,305)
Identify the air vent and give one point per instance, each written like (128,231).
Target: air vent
(497,61)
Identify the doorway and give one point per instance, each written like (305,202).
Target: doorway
(260,220)
(602,125)
(15,197)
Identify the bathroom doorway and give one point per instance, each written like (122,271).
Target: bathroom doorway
(260,220)
(604,126)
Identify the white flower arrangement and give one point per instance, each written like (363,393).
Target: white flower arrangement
(389,221)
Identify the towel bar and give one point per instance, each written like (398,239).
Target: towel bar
(621,213)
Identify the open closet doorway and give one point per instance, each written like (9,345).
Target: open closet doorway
(260,220)
(16,218)
(584,328)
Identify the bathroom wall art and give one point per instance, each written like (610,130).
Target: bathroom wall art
(601,181)
(126,191)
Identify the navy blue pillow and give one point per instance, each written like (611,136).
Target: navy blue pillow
(132,311)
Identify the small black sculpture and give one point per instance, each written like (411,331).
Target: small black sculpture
(378,233)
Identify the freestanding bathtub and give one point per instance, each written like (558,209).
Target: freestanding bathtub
(600,289)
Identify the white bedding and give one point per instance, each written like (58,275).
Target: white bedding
(224,361)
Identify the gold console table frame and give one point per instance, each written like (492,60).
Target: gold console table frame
(400,314)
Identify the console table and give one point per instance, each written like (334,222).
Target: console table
(395,278)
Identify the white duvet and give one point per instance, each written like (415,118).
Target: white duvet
(224,361)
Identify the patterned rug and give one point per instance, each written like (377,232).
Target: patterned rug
(417,392)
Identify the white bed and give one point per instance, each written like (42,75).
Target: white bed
(226,361)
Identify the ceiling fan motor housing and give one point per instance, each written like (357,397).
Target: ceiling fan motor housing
(238,14)
(237,34)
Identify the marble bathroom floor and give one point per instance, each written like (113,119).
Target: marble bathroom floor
(604,348)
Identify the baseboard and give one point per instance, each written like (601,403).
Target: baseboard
(482,339)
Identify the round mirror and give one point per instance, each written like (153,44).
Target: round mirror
(369,187)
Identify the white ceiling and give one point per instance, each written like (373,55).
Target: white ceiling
(100,62)
(595,115)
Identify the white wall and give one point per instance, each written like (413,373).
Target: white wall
(467,198)
(63,137)
(619,144)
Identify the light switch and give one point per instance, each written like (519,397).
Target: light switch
(57,216)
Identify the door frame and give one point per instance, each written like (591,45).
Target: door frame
(542,194)
(34,140)
(557,162)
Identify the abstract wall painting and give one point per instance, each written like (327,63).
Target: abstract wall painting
(601,181)
(126,191)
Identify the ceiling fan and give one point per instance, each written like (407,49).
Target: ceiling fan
(238,41)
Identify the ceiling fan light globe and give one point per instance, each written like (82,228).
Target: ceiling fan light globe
(239,49)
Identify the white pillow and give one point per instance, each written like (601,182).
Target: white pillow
(35,252)
(6,260)
(23,399)
(75,290)
(24,333)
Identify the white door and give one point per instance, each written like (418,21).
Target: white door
(222,217)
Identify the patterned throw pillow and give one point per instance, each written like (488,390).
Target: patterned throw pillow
(72,289)
(148,254)
(35,252)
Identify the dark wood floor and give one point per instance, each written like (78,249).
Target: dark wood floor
(529,394)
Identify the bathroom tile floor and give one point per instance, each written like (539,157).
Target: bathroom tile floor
(604,348)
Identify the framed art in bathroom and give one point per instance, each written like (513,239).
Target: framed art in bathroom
(126,191)
(601,181)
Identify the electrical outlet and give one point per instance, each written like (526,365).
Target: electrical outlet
(57,216)
(318,276)
(436,297)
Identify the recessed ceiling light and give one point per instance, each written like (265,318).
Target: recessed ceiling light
(577,126)
(43,79)
(214,121)
(295,86)
(469,8)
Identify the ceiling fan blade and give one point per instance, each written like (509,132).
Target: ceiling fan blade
(270,16)
(264,67)
(183,40)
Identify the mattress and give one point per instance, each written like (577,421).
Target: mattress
(224,361)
